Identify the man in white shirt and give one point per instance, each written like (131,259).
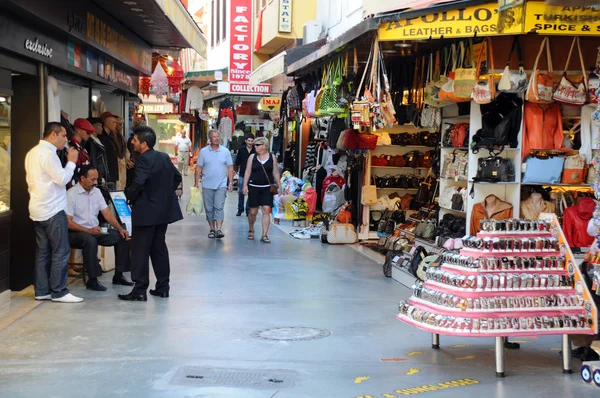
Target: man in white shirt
(84,202)
(182,151)
(46,181)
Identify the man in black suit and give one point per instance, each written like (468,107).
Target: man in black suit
(154,206)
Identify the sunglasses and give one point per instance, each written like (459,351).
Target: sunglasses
(258,145)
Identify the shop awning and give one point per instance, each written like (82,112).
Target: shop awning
(204,78)
(356,32)
(161,23)
(273,67)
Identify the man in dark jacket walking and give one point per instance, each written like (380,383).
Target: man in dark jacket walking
(154,207)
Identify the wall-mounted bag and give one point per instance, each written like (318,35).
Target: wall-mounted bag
(431,118)
(570,93)
(459,135)
(543,169)
(593,86)
(367,141)
(541,85)
(484,91)
(341,234)
(368,195)
(434,82)
(464,79)
(383,139)
(351,139)
(574,170)
(495,169)
(514,82)
(447,93)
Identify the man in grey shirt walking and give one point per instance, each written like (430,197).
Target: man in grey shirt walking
(215,167)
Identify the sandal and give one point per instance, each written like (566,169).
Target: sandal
(265,239)
(211,234)
(220,234)
(250,235)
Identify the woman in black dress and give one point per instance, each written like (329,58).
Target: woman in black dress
(261,172)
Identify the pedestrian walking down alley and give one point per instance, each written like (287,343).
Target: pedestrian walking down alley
(217,335)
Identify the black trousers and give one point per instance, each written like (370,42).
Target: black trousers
(149,243)
(89,246)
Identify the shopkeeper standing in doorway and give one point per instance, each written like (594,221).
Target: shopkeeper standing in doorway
(109,124)
(240,164)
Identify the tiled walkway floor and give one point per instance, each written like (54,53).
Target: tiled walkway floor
(224,291)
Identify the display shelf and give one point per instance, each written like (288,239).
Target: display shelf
(406,146)
(495,183)
(482,253)
(455,148)
(453,180)
(474,271)
(394,167)
(523,234)
(399,189)
(456,119)
(492,333)
(454,211)
(542,184)
(500,312)
(478,292)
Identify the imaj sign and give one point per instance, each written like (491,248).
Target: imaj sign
(285,16)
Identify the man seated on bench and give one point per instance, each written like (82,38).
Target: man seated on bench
(84,202)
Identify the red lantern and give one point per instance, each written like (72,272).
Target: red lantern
(175,76)
(144,85)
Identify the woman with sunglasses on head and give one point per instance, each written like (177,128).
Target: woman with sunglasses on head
(261,173)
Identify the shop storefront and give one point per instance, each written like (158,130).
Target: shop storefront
(60,61)
(453,129)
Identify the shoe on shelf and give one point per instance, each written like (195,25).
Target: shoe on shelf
(68,298)
(159,294)
(219,234)
(94,284)
(45,297)
(120,280)
(133,297)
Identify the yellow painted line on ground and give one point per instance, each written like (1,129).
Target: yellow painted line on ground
(392,359)
(426,388)
(466,358)
(521,341)
(412,354)
(360,379)
(412,371)
(459,346)
(555,349)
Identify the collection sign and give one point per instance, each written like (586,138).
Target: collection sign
(240,52)
(559,20)
(285,16)
(245,88)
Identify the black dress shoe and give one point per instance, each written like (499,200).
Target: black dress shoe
(94,284)
(159,294)
(120,280)
(239,213)
(133,297)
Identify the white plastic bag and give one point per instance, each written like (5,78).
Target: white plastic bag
(195,205)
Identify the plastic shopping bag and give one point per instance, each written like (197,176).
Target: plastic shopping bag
(195,205)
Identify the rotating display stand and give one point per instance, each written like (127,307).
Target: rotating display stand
(515,278)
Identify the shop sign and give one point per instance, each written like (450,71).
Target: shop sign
(270,103)
(462,22)
(285,16)
(39,48)
(240,58)
(559,20)
(155,108)
(245,88)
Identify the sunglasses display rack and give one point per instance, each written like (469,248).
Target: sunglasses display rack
(515,278)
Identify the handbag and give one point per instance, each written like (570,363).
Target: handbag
(367,141)
(484,92)
(447,93)
(543,169)
(341,234)
(495,169)
(350,139)
(272,187)
(514,82)
(459,134)
(368,195)
(464,78)
(570,93)
(431,118)
(383,139)
(541,85)
(574,170)
(434,83)
(593,86)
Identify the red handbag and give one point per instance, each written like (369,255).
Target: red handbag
(351,139)
(367,141)
(379,160)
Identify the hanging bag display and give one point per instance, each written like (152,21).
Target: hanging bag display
(574,170)
(514,82)
(464,79)
(387,106)
(320,93)
(447,93)
(543,168)
(333,107)
(541,85)
(361,110)
(567,92)
(434,83)
(484,91)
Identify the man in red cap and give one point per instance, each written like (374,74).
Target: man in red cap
(83,130)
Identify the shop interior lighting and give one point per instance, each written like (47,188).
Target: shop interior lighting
(403,45)
(130,3)
(15,74)
(389,51)
(143,16)
(137,10)
(94,98)
(149,20)
(2,99)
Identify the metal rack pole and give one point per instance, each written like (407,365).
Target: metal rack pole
(566,352)
(435,341)
(499,356)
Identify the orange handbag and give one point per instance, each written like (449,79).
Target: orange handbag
(541,85)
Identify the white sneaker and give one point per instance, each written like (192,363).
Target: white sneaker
(68,298)
(46,297)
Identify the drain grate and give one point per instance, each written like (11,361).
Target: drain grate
(291,334)
(242,378)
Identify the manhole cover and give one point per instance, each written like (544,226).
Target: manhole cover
(243,378)
(291,334)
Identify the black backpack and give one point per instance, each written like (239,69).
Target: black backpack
(418,256)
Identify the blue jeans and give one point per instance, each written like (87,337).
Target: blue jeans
(241,197)
(51,256)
